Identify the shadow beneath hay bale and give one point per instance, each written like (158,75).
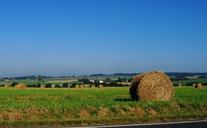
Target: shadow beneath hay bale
(124,100)
(133,91)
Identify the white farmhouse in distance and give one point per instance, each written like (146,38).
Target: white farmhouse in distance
(92,81)
(101,81)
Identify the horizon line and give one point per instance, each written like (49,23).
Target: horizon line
(91,74)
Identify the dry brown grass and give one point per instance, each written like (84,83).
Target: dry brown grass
(1,116)
(103,112)
(84,114)
(34,113)
(29,114)
(152,86)
(12,115)
(152,112)
(137,111)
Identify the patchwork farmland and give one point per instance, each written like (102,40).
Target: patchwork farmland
(35,106)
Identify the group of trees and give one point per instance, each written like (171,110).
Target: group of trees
(49,85)
(38,85)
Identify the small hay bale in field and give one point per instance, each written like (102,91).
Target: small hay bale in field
(101,86)
(77,86)
(42,86)
(81,86)
(20,86)
(198,85)
(87,85)
(180,85)
(53,85)
(154,85)
(194,85)
(92,86)
(7,86)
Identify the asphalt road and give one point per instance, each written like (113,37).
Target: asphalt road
(183,124)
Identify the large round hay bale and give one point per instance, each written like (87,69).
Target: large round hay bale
(154,85)
(20,86)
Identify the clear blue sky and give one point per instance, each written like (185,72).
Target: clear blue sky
(66,37)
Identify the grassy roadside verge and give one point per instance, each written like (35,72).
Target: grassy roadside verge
(101,121)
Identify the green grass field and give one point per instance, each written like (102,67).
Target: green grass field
(95,106)
(199,80)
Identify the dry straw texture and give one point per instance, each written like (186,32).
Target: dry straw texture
(154,85)
(21,86)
